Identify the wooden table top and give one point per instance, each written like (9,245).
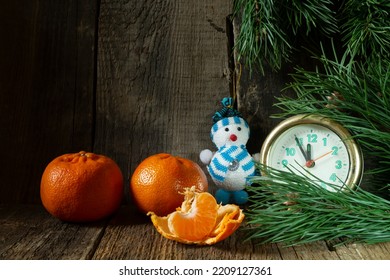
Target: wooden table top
(29,232)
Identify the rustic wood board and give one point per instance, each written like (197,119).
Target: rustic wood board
(162,69)
(380,251)
(131,235)
(161,74)
(29,232)
(47,80)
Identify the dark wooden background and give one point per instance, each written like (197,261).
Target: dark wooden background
(127,79)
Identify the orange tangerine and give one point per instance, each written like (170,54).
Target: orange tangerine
(158,182)
(81,187)
(200,220)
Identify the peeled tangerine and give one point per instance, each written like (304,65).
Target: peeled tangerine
(199,220)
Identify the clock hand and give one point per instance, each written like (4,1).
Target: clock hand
(301,148)
(308,149)
(321,156)
(311,163)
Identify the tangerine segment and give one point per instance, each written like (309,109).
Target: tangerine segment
(227,220)
(195,220)
(161,224)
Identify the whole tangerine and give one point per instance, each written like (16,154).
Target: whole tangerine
(158,183)
(81,187)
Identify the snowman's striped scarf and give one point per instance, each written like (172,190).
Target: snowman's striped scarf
(222,160)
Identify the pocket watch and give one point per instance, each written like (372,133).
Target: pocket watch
(317,147)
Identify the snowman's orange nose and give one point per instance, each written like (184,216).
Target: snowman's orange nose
(233,137)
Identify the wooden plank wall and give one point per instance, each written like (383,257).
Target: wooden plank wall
(47,65)
(161,72)
(123,78)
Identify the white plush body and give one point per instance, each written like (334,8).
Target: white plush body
(230,166)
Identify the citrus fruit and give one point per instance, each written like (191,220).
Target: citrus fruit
(196,217)
(158,182)
(81,187)
(199,220)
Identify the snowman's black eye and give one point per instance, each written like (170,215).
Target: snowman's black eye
(226,129)
(239,128)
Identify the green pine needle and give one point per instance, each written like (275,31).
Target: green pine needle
(353,90)
(366,28)
(291,209)
(268,28)
(355,94)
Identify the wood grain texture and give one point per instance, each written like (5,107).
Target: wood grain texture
(161,74)
(29,232)
(130,235)
(47,82)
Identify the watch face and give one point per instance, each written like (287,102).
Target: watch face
(313,148)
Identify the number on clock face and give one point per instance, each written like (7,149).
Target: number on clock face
(314,148)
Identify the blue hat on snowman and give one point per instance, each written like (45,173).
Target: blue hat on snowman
(226,117)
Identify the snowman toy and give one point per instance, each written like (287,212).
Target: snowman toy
(231,165)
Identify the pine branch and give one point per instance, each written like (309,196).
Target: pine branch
(310,14)
(268,28)
(290,209)
(354,94)
(353,90)
(260,39)
(366,28)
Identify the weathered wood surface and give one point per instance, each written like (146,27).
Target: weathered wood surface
(29,232)
(47,62)
(161,73)
(127,79)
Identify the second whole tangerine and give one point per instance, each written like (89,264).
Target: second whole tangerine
(158,183)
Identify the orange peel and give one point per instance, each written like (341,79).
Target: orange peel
(200,220)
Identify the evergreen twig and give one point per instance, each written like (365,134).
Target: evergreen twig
(268,28)
(354,94)
(354,90)
(290,209)
(366,28)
